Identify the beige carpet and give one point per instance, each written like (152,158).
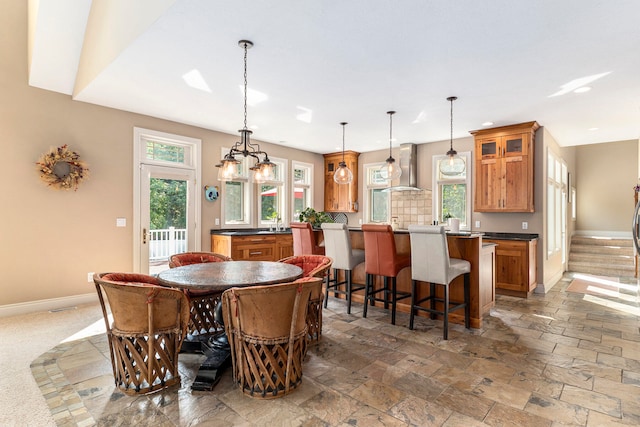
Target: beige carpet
(595,285)
(24,338)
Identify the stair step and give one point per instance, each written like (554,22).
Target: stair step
(601,241)
(602,259)
(602,270)
(600,249)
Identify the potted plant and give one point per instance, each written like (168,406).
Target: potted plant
(313,217)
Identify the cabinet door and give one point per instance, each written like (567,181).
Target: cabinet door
(516,184)
(284,246)
(512,265)
(488,185)
(488,148)
(340,197)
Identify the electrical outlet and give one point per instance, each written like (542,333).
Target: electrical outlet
(525,225)
(217,221)
(90,277)
(477,224)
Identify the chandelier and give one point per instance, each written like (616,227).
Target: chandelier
(263,169)
(454,165)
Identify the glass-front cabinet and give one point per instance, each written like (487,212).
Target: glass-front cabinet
(504,168)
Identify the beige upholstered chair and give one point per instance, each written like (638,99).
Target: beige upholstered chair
(430,262)
(267,332)
(149,325)
(313,266)
(203,302)
(337,246)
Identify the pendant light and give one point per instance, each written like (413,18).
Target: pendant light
(263,169)
(343,174)
(390,170)
(454,165)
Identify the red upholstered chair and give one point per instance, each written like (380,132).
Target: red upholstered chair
(203,303)
(313,266)
(304,241)
(381,259)
(148,328)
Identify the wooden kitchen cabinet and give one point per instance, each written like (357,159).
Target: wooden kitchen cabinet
(504,168)
(515,267)
(254,247)
(340,197)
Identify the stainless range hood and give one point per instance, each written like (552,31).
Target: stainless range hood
(408,181)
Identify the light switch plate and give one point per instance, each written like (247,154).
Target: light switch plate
(121,222)
(477,224)
(525,225)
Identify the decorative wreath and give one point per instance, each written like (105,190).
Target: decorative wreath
(62,169)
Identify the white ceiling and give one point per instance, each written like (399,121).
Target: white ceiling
(332,61)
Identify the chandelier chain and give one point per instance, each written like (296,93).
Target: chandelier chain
(245,85)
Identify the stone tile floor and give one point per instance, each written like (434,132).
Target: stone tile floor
(558,359)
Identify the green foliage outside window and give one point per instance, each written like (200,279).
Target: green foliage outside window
(168,203)
(454,202)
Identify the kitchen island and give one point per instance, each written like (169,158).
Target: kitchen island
(463,245)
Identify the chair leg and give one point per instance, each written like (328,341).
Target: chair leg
(386,293)
(366,294)
(347,274)
(446,312)
(413,299)
(467,300)
(326,287)
(432,294)
(393,300)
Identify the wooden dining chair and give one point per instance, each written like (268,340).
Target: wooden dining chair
(267,331)
(313,266)
(203,302)
(149,325)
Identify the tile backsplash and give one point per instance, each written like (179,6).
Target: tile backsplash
(411,207)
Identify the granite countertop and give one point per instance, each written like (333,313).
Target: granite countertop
(509,236)
(249,232)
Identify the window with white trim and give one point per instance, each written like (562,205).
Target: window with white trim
(302,179)
(557,183)
(377,202)
(271,206)
(236,194)
(452,194)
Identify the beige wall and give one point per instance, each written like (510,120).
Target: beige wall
(51,239)
(606,174)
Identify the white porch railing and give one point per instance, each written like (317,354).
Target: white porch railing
(166,242)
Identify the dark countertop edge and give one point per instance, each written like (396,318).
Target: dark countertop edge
(248,232)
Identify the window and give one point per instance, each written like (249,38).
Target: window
(452,194)
(302,196)
(557,183)
(164,149)
(377,207)
(271,196)
(236,195)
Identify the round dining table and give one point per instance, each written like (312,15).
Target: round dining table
(220,276)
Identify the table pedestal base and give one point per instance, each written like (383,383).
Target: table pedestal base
(218,359)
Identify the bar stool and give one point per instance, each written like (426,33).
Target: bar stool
(430,262)
(381,259)
(304,241)
(337,244)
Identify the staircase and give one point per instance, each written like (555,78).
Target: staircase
(603,256)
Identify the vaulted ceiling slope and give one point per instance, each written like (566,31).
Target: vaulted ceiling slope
(315,64)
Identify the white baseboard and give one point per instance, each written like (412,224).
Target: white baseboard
(543,288)
(604,233)
(47,304)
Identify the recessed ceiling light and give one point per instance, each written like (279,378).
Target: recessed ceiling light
(582,89)
(592,129)
(487,123)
